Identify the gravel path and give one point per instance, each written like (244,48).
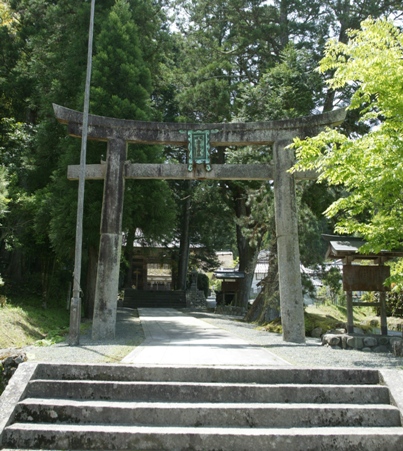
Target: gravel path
(311,354)
(129,334)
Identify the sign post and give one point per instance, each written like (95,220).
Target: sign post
(75,305)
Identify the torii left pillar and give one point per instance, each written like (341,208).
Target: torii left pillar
(107,283)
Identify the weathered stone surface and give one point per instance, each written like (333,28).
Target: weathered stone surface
(271,415)
(291,300)
(397,348)
(144,391)
(351,342)
(332,340)
(107,284)
(317,332)
(337,331)
(340,330)
(358,342)
(375,343)
(92,171)
(358,331)
(110,246)
(344,344)
(395,340)
(218,172)
(229,134)
(338,406)
(14,392)
(393,380)
(383,340)
(172,373)
(370,341)
(146,171)
(196,299)
(9,361)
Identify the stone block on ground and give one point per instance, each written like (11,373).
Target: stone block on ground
(397,348)
(9,361)
(317,332)
(370,341)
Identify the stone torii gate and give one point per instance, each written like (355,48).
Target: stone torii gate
(118,133)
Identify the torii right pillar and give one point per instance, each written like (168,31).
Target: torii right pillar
(292,304)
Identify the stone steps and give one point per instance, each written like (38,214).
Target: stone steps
(106,437)
(195,414)
(208,374)
(127,407)
(209,392)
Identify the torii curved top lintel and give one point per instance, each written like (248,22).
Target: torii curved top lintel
(102,128)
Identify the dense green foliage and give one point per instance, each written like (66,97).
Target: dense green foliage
(199,61)
(368,166)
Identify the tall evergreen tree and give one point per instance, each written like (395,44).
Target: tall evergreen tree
(51,68)
(121,82)
(34,77)
(122,88)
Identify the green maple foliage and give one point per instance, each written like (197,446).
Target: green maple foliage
(368,166)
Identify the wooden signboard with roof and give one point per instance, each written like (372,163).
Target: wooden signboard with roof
(361,272)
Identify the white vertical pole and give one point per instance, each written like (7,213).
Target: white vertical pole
(75,307)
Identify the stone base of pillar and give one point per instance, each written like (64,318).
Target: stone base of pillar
(107,287)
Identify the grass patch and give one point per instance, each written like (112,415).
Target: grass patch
(364,317)
(273,326)
(24,324)
(324,321)
(326,317)
(329,317)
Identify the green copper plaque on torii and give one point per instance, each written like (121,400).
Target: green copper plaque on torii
(199,148)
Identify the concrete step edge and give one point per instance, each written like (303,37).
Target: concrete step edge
(48,402)
(104,437)
(219,392)
(208,415)
(206,384)
(107,429)
(226,374)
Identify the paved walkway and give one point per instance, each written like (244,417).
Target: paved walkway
(173,337)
